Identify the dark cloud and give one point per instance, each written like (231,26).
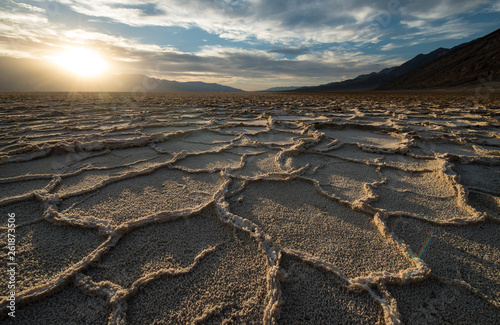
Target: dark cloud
(248,65)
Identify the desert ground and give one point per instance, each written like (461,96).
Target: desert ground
(270,208)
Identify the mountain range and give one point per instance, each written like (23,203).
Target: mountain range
(279,89)
(31,75)
(472,63)
(370,81)
(465,65)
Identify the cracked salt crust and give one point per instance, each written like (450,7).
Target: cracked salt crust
(252,208)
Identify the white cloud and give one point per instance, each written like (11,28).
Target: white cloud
(23,35)
(389,46)
(279,21)
(415,23)
(19,18)
(495,6)
(451,29)
(350,59)
(221,51)
(438,9)
(30,7)
(362,15)
(81,36)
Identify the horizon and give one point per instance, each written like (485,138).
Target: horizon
(249,45)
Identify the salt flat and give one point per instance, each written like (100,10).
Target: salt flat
(251,208)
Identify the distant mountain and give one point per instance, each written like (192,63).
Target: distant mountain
(36,75)
(279,89)
(192,86)
(371,81)
(464,65)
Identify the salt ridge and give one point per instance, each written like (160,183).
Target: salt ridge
(397,129)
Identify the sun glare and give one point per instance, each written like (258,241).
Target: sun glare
(81,61)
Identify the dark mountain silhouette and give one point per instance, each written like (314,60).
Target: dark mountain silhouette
(470,63)
(279,89)
(374,79)
(36,75)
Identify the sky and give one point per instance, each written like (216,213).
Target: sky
(247,44)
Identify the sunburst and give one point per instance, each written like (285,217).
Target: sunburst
(82,62)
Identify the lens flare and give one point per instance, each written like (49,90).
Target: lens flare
(423,249)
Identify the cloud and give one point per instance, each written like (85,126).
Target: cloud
(216,64)
(438,9)
(429,32)
(279,21)
(273,40)
(292,23)
(289,50)
(30,7)
(23,34)
(389,46)
(495,7)
(221,51)
(349,59)
(237,66)
(451,29)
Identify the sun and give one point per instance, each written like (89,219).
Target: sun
(83,62)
